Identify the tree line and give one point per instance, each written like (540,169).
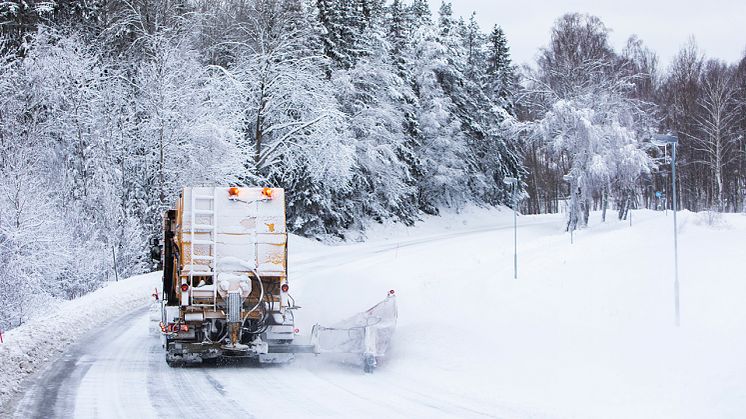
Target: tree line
(588,114)
(363,110)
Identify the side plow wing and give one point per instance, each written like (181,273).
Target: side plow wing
(368,333)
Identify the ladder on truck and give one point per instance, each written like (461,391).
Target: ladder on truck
(212,228)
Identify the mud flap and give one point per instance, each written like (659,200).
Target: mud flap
(368,333)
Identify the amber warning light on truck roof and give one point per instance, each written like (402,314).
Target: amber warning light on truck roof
(267,192)
(233,192)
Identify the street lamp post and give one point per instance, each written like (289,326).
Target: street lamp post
(663,140)
(511,181)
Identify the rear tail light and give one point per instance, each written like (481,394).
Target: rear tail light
(184,287)
(285,287)
(184,328)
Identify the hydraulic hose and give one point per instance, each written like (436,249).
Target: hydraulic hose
(261,292)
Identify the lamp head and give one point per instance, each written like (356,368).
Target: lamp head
(665,139)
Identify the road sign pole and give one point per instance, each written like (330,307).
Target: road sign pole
(515,232)
(675,239)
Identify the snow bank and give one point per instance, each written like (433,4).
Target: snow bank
(30,347)
(470,216)
(586,331)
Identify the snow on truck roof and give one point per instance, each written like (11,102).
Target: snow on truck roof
(233,229)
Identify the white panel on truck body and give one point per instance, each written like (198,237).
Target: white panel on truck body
(251,228)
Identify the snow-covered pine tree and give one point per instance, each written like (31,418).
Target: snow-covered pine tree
(487,156)
(500,78)
(442,150)
(374,98)
(401,26)
(290,116)
(337,35)
(181,132)
(420,14)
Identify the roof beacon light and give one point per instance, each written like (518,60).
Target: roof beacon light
(267,192)
(233,193)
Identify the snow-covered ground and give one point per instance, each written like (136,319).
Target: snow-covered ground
(27,349)
(586,331)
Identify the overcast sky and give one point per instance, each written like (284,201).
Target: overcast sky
(719,26)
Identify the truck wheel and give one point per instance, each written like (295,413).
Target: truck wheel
(174,362)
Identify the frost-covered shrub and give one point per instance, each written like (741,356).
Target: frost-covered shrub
(711,218)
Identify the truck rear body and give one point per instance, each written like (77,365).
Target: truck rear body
(225,283)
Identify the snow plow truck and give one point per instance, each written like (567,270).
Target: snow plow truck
(226,291)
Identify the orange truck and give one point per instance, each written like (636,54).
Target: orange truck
(225,286)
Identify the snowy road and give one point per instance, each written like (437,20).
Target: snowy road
(586,331)
(119,372)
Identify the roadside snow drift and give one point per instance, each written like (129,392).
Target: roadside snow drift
(29,347)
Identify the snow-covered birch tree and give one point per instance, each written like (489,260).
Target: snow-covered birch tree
(585,118)
(719,141)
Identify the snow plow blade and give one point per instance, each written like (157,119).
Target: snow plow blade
(368,333)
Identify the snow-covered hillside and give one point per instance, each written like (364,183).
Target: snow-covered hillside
(587,330)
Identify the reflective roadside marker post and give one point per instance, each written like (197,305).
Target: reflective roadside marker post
(658,196)
(511,181)
(675,235)
(663,140)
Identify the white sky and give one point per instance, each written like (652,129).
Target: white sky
(719,26)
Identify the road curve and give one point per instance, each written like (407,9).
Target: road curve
(119,371)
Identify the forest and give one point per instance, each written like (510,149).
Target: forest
(363,110)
